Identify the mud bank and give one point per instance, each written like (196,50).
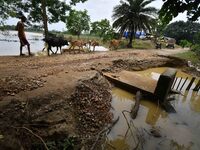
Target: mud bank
(54,119)
(63,101)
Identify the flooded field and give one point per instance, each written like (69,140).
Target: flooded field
(9,43)
(154,128)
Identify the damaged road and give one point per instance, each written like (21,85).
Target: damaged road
(63,101)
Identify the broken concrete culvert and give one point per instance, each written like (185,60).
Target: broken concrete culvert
(53,120)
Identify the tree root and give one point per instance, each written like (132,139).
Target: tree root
(30,131)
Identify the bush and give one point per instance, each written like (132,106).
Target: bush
(143,44)
(196,48)
(185,43)
(123,44)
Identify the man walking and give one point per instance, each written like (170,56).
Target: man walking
(22,36)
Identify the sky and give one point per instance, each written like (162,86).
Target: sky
(100,9)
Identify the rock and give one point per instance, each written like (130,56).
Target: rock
(92,68)
(12,94)
(92,129)
(155,132)
(1,136)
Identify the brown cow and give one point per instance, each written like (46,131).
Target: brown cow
(77,43)
(93,43)
(114,44)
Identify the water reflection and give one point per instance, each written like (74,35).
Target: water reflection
(123,100)
(119,144)
(179,131)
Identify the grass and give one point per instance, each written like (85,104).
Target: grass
(137,43)
(191,56)
(143,44)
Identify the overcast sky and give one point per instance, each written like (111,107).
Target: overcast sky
(99,9)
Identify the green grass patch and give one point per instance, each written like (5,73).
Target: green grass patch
(137,43)
(143,44)
(191,56)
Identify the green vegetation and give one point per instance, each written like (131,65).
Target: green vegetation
(102,29)
(44,11)
(56,144)
(189,32)
(137,44)
(196,48)
(143,44)
(185,43)
(181,30)
(171,9)
(133,15)
(77,22)
(128,15)
(29,29)
(190,55)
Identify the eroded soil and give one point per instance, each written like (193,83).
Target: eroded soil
(63,100)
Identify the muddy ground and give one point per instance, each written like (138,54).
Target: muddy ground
(63,101)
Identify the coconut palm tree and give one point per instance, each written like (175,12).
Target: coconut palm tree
(133,15)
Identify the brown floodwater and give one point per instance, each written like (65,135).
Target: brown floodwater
(180,130)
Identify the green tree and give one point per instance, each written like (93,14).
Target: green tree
(39,11)
(77,22)
(185,43)
(7,9)
(181,30)
(133,15)
(196,38)
(171,9)
(100,28)
(159,27)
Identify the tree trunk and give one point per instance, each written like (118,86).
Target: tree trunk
(130,40)
(44,16)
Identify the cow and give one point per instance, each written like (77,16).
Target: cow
(93,43)
(57,42)
(114,44)
(77,43)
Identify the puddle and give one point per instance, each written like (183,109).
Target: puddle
(179,130)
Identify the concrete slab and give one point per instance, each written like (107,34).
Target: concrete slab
(134,80)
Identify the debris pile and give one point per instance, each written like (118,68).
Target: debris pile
(92,102)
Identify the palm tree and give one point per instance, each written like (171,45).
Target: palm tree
(133,15)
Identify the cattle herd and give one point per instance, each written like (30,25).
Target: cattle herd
(58,42)
(81,45)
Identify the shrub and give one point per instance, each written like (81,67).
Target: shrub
(123,44)
(196,48)
(185,43)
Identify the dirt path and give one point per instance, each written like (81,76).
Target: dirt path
(64,95)
(28,73)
